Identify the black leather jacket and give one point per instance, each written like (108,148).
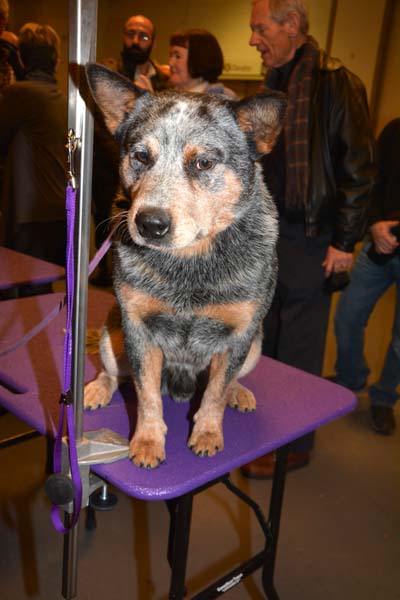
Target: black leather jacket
(342,161)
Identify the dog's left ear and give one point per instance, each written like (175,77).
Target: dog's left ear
(261,117)
(114,94)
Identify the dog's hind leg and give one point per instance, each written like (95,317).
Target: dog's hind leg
(238,396)
(98,392)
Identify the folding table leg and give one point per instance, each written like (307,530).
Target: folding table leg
(275,510)
(181,512)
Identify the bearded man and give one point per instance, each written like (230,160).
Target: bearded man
(138,37)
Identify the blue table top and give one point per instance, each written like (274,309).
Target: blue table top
(19,269)
(290,403)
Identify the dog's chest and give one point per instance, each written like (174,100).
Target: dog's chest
(194,331)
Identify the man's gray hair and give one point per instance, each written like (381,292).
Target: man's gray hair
(279,10)
(4,9)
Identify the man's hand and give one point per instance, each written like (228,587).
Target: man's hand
(144,82)
(384,240)
(337,260)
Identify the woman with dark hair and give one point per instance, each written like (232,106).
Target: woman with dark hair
(196,61)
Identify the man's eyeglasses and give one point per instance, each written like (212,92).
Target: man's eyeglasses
(132,33)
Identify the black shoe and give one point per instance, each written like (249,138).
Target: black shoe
(382,419)
(264,467)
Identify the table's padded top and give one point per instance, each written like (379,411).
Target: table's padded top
(290,403)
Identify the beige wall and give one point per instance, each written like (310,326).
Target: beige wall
(389,95)
(356,36)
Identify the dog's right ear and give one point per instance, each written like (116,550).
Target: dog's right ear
(114,94)
(261,118)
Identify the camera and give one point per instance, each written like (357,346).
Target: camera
(382,259)
(336,282)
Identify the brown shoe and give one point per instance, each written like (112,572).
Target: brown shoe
(264,467)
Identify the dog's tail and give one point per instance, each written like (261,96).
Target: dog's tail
(179,383)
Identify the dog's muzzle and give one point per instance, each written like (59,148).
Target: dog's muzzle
(153,223)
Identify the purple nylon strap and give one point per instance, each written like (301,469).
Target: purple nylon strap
(67,401)
(67,406)
(35,330)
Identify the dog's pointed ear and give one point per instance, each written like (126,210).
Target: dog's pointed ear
(261,117)
(114,94)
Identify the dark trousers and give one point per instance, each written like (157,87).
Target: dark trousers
(296,325)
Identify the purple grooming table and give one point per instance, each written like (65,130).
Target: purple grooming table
(290,403)
(20,269)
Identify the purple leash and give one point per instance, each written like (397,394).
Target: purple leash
(67,406)
(62,489)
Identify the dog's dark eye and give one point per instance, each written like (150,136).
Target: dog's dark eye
(203,164)
(142,156)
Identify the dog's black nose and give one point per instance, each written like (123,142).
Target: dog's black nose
(153,223)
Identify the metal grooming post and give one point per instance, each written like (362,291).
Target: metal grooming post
(104,445)
(81,49)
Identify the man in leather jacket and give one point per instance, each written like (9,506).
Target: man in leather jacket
(321,174)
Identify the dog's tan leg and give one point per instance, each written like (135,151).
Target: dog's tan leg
(207,436)
(147,447)
(238,396)
(98,392)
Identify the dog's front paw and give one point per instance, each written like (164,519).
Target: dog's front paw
(147,452)
(205,440)
(241,398)
(98,392)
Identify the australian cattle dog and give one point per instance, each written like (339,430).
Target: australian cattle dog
(194,265)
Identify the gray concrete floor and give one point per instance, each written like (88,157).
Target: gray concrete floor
(340,531)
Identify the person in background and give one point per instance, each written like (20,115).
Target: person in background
(138,36)
(8,56)
(321,173)
(196,61)
(8,43)
(9,63)
(376,269)
(33,130)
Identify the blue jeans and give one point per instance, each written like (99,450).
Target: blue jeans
(368,283)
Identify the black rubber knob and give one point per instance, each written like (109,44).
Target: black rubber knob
(60,489)
(100,502)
